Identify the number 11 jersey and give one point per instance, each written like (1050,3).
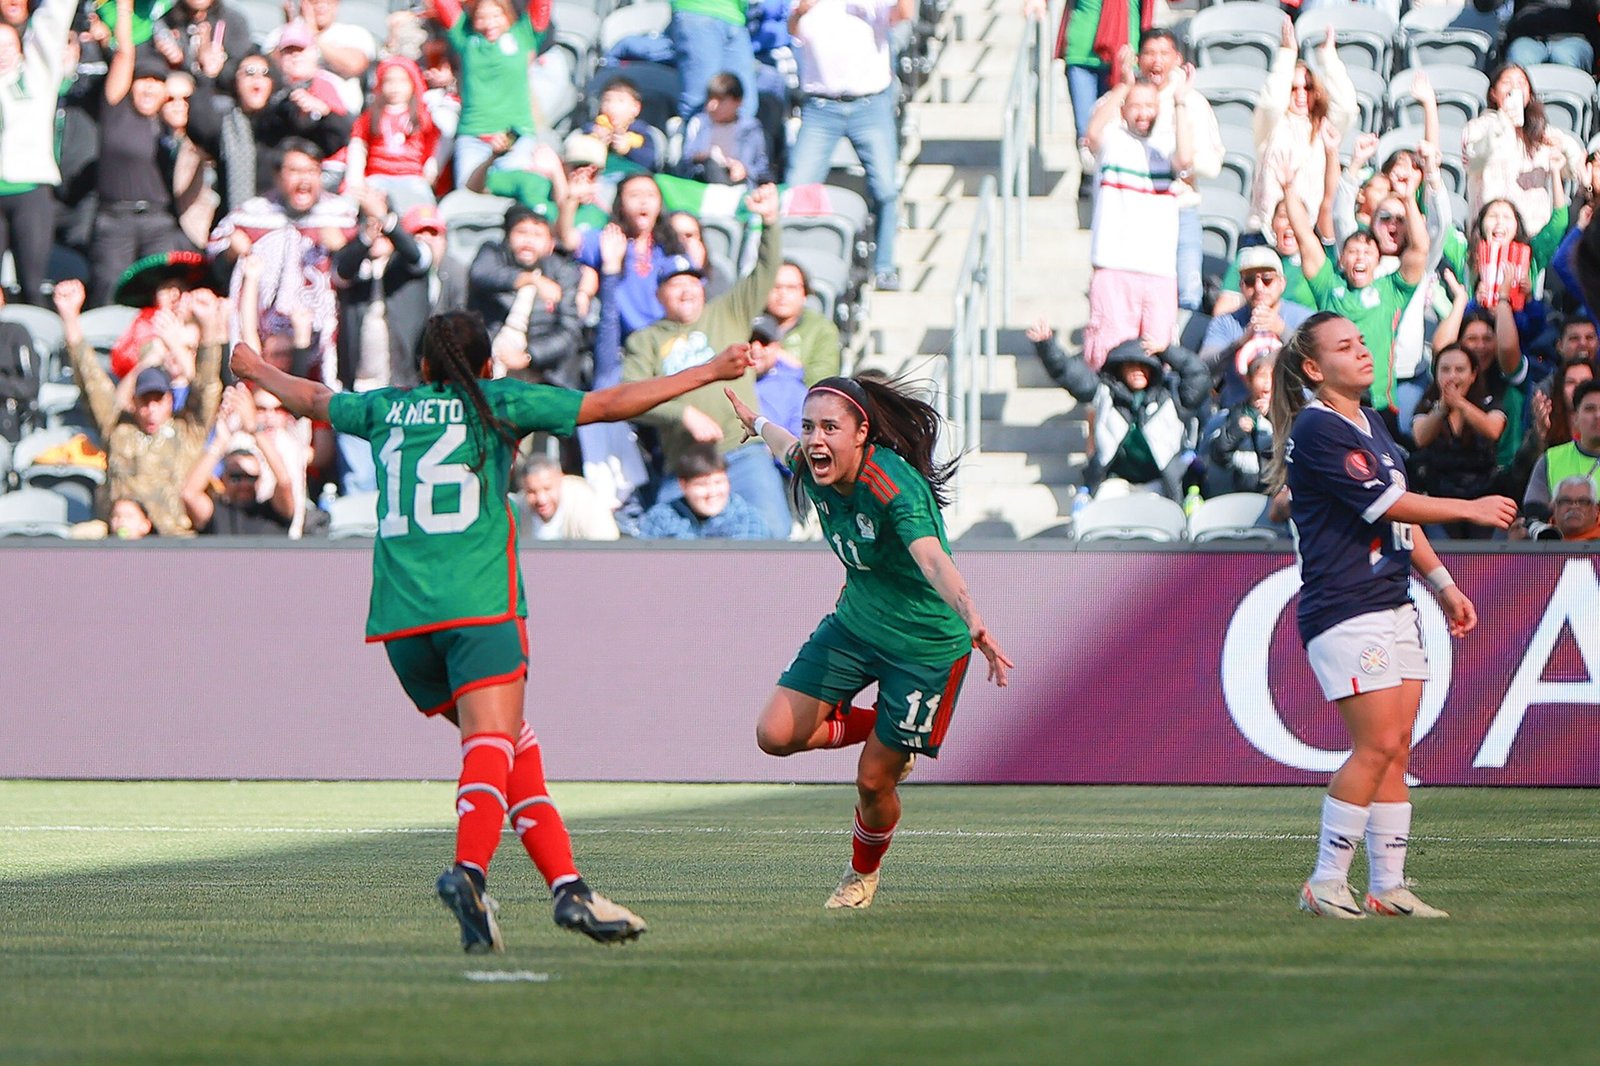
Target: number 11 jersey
(446,551)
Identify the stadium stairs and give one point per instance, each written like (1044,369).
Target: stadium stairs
(1023,482)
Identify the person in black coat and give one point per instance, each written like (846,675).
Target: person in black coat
(386,265)
(524,275)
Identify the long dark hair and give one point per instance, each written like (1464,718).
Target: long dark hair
(1561,429)
(1289,385)
(1476,392)
(896,420)
(455,349)
(1533,121)
(663,235)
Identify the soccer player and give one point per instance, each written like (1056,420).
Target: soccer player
(1358,533)
(904,620)
(447,596)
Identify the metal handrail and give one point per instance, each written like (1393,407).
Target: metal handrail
(974,324)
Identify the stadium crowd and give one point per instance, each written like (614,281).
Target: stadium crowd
(316,177)
(1427,174)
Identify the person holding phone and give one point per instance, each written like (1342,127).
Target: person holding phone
(1513,153)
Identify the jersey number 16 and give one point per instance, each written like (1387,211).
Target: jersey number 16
(432,473)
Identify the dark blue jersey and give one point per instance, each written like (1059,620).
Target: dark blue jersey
(1342,478)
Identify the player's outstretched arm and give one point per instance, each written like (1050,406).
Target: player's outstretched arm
(1496,512)
(1461,615)
(302,397)
(947,581)
(777,439)
(633,398)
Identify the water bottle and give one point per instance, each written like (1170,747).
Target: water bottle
(330,492)
(1080,500)
(1191,501)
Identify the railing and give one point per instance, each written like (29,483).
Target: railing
(998,240)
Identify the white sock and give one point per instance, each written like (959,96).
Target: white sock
(1342,826)
(1387,829)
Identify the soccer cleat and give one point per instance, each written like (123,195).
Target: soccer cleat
(473,909)
(1401,902)
(855,890)
(596,917)
(905,771)
(1329,899)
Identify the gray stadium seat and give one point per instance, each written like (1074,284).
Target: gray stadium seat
(43,324)
(370,15)
(1461,91)
(1458,35)
(1232,90)
(829,276)
(1234,516)
(30,512)
(263,16)
(1239,157)
(724,237)
(104,326)
(1568,97)
(645,17)
(1450,163)
(1364,35)
(1240,32)
(1222,218)
(1371,98)
(1141,516)
(471,220)
(576,28)
(353,516)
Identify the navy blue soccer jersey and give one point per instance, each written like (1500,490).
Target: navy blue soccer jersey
(1342,478)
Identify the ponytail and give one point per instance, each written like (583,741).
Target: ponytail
(455,349)
(1289,388)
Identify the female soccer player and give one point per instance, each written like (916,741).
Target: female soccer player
(904,619)
(447,600)
(1357,535)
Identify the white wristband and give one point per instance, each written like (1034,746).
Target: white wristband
(759,424)
(1440,579)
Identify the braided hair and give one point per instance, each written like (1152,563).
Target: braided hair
(455,352)
(898,421)
(1289,388)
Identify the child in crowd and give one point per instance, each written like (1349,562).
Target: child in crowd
(721,148)
(393,142)
(495,46)
(618,126)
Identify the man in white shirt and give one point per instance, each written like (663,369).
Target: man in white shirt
(848,79)
(561,506)
(344,49)
(1133,294)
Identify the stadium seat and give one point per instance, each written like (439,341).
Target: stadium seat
(1364,35)
(828,275)
(1238,163)
(1461,91)
(1371,99)
(30,512)
(370,15)
(471,220)
(576,28)
(1191,331)
(637,19)
(1141,516)
(1222,219)
(42,324)
(724,236)
(1240,32)
(104,326)
(1232,90)
(1454,170)
(262,16)
(1568,96)
(353,516)
(1457,35)
(1234,516)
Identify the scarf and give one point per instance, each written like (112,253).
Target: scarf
(1111,33)
(239,151)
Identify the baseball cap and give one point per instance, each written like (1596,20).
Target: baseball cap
(584,150)
(296,35)
(675,265)
(765,329)
(149,65)
(1259,257)
(421,217)
(151,379)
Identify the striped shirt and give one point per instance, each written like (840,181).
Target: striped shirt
(1135,209)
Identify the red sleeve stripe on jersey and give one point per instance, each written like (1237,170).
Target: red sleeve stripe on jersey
(947,700)
(881,484)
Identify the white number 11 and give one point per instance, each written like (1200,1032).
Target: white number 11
(928,713)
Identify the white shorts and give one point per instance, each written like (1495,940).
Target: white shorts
(1369,652)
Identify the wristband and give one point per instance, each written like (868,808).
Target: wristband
(1440,579)
(761,423)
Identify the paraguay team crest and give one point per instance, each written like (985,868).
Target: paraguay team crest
(1374,660)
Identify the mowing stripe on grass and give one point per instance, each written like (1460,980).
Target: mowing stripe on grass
(983,834)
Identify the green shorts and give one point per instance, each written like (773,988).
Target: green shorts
(915,701)
(436,669)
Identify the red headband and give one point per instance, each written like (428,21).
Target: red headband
(840,392)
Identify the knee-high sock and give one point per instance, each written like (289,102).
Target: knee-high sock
(850,726)
(1388,830)
(534,817)
(481,797)
(1342,826)
(867,846)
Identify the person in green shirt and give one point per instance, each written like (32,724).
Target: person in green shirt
(905,619)
(495,46)
(447,591)
(1374,304)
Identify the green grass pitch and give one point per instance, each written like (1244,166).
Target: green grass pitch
(295,922)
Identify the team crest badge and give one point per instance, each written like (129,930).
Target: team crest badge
(1358,464)
(1373,660)
(865,527)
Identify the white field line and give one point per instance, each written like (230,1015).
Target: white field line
(708,830)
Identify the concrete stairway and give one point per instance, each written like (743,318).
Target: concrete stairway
(1023,481)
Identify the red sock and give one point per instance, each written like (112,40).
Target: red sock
(481,797)
(534,817)
(850,726)
(868,845)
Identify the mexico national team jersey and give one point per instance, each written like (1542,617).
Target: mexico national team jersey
(1342,477)
(886,601)
(446,550)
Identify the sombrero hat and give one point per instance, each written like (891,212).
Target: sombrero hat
(138,284)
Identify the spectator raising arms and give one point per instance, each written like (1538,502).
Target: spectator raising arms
(31,54)
(1300,118)
(238,509)
(392,144)
(495,46)
(1512,153)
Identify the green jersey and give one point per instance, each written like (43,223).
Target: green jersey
(1375,310)
(446,553)
(887,603)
